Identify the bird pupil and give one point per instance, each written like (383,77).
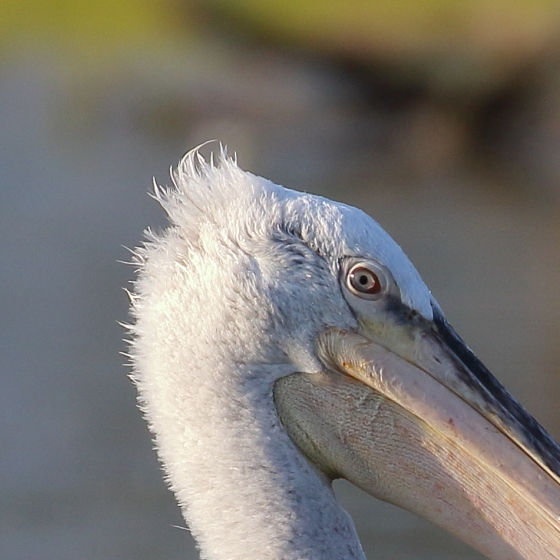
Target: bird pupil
(364,281)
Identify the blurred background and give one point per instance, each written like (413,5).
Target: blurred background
(440,118)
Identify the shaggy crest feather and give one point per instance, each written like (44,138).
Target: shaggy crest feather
(229,298)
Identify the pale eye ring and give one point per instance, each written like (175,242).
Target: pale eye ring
(365,282)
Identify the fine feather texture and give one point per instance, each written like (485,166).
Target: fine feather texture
(229,298)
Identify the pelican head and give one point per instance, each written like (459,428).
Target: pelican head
(281,341)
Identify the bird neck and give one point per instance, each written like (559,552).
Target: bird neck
(245,490)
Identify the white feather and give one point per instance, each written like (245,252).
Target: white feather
(230,297)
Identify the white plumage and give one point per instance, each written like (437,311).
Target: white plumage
(231,297)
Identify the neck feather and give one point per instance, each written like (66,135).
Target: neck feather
(245,490)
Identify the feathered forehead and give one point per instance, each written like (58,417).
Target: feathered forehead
(220,198)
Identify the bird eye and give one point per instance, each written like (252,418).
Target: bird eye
(364,282)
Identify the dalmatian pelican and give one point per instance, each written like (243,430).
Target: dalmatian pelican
(281,341)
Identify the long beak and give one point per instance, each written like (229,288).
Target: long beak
(416,420)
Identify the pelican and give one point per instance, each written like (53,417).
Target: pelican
(281,341)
